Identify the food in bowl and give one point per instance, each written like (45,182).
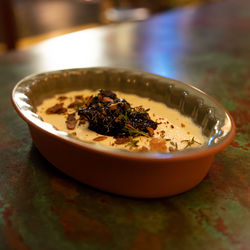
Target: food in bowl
(119,120)
(135,174)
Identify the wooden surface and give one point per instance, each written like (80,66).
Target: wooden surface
(41,208)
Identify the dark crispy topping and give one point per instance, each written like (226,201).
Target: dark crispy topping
(79,101)
(72,105)
(82,121)
(107,93)
(107,99)
(100,138)
(71,121)
(121,140)
(79,97)
(150,131)
(89,100)
(109,115)
(56,109)
(62,98)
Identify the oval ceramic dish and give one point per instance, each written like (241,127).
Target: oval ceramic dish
(132,174)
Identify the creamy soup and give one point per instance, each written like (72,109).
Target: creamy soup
(174,131)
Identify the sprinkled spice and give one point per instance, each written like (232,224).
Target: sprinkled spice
(121,140)
(71,121)
(78,102)
(56,109)
(62,98)
(116,120)
(100,138)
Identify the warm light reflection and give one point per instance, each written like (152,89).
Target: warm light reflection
(80,49)
(156,46)
(227,125)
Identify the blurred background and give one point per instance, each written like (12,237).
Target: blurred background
(26,22)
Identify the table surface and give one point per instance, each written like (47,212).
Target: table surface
(41,208)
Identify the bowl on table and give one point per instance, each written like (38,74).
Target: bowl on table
(133,174)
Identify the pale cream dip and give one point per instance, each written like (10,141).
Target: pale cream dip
(177,130)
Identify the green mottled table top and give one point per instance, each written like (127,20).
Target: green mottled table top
(41,208)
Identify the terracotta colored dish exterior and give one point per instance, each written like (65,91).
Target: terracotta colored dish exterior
(144,175)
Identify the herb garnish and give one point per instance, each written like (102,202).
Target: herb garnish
(190,142)
(174,144)
(133,143)
(128,129)
(109,115)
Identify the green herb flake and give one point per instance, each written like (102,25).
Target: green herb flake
(190,142)
(133,131)
(134,143)
(174,144)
